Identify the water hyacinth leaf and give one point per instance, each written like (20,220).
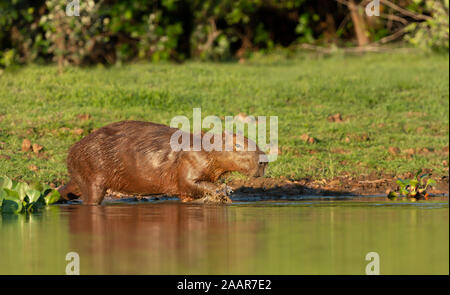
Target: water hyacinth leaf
(33,195)
(431,182)
(422,178)
(10,194)
(52,197)
(36,185)
(401,182)
(418,173)
(424,175)
(404,191)
(11,202)
(46,189)
(11,206)
(6,182)
(21,188)
(392,196)
(413,183)
(2,196)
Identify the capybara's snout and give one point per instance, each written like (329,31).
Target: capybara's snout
(259,166)
(262,166)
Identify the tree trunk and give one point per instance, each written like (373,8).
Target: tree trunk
(358,23)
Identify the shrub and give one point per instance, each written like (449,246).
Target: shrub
(432,33)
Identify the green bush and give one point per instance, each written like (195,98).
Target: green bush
(111,31)
(21,38)
(433,33)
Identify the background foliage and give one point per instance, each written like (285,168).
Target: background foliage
(115,31)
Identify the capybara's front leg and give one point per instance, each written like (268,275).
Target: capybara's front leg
(204,192)
(92,193)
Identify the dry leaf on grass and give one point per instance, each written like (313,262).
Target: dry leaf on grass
(37,148)
(26,145)
(394,150)
(306,138)
(336,118)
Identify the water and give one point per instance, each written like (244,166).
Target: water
(267,237)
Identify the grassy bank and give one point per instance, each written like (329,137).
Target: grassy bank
(394,108)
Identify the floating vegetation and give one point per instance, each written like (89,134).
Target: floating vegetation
(20,197)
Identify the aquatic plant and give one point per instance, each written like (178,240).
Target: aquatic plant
(20,197)
(413,189)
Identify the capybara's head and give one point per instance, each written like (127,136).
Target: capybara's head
(245,157)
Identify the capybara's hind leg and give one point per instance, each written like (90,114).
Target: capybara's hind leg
(69,191)
(92,193)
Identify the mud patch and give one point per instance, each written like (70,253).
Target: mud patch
(343,186)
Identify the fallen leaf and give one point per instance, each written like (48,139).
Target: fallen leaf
(84,117)
(64,129)
(77,131)
(37,148)
(426,150)
(340,151)
(445,149)
(335,118)
(306,138)
(394,150)
(33,168)
(410,151)
(26,145)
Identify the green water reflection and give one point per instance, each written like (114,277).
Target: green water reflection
(302,237)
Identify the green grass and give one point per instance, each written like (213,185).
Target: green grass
(398,100)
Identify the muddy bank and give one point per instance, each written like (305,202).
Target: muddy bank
(342,186)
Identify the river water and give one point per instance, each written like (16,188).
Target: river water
(265,237)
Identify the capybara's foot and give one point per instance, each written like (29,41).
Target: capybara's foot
(214,199)
(186,199)
(218,198)
(225,189)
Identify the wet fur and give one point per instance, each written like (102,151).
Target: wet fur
(135,157)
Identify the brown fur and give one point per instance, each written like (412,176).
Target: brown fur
(135,157)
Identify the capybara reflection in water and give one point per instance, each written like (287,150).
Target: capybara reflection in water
(134,157)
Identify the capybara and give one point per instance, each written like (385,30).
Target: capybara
(134,157)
